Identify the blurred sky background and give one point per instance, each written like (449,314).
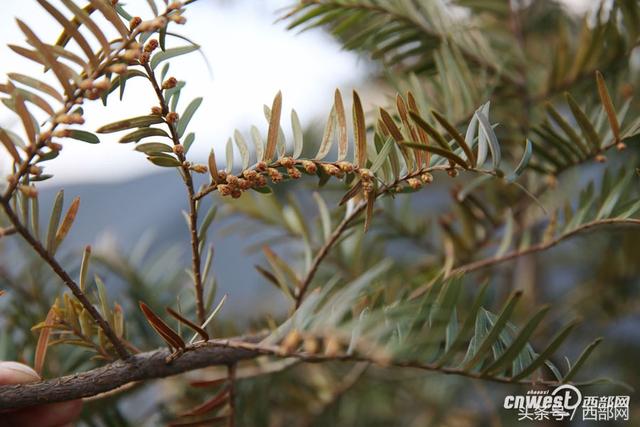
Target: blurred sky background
(250,58)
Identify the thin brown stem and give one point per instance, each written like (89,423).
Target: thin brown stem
(193,208)
(324,251)
(477,265)
(64,276)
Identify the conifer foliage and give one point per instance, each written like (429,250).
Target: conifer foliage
(521,110)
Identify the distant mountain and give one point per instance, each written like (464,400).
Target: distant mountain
(127,211)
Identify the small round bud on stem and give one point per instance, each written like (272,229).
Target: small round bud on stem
(294,173)
(332,170)
(291,342)
(156,111)
(198,168)
(170,83)
(287,162)
(414,183)
(275,175)
(311,345)
(427,178)
(135,21)
(309,166)
(600,158)
(261,181)
(151,45)
(35,170)
(244,184)
(144,58)
(178,149)
(621,146)
(346,167)
(172,117)
(224,189)
(365,173)
(332,347)
(251,175)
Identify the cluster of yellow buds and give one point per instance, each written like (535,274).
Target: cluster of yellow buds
(346,167)
(93,89)
(367,178)
(330,346)
(414,183)
(332,170)
(228,185)
(151,46)
(145,56)
(135,21)
(232,185)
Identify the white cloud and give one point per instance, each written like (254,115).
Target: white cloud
(250,57)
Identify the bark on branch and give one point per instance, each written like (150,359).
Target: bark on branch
(143,366)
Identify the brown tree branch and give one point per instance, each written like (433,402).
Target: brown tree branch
(483,263)
(68,281)
(143,366)
(221,352)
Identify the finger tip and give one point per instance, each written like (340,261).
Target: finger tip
(16,373)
